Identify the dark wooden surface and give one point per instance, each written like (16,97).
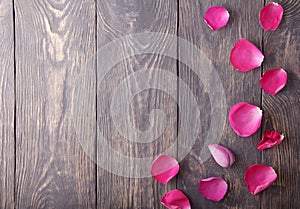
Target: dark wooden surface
(44,45)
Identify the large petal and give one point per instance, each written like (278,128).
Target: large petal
(259,177)
(273,81)
(222,155)
(270,16)
(245,56)
(245,118)
(270,139)
(175,199)
(216,17)
(164,168)
(213,188)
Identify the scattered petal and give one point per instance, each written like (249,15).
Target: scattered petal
(270,16)
(213,188)
(273,81)
(245,56)
(222,155)
(270,139)
(164,168)
(259,177)
(216,17)
(175,199)
(245,118)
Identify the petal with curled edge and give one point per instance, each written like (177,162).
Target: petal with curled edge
(222,155)
(213,188)
(273,80)
(164,168)
(270,139)
(216,17)
(175,199)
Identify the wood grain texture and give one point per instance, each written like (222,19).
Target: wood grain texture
(281,49)
(216,45)
(116,19)
(53,40)
(7,157)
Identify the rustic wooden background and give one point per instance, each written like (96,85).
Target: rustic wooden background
(43,44)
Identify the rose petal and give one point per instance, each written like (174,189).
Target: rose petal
(245,118)
(175,199)
(273,81)
(245,56)
(164,168)
(223,156)
(270,139)
(270,16)
(216,17)
(213,188)
(259,177)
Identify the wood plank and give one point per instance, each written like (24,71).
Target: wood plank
(53,40)
(7,157)
(116,19)
(281,49)
(238,87)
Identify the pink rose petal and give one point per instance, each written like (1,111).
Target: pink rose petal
(270,16)
(270,139)
(216,17)
(175,199)
(245,56)
(259,177)
(245,118)
(213,188)
(164,168)
(273,81)
(223,156)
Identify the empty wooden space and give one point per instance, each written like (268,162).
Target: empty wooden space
(57,102)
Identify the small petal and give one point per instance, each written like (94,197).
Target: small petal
(270,16)
(245,56)
(216,17)
(273,81)
(245,118)
(213,188)
(164,168)
(223,156)
(259,177)
(270,139)
(175,199)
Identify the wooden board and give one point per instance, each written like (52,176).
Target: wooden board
(7,157)
(216,45)
(116,19)
(281,49)
(53,40)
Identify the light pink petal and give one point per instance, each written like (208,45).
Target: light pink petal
(245,118)
(223,156)
(270,139)
(259,177)
(273,81)
(216,17)
(245,56)
(270,16)
(213,188)
(175,199)
(164,168)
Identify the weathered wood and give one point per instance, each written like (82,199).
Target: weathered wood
(116,19)
(281,112)
(53,40)
(216,45)
(7,157)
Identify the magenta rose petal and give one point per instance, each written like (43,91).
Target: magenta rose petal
(259,177)
(222,155)
(245,56)
(175,199)
(164,168)
(273,81)
(213,188)
(270,16)
(216,17)
(270,139)
(245,118)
